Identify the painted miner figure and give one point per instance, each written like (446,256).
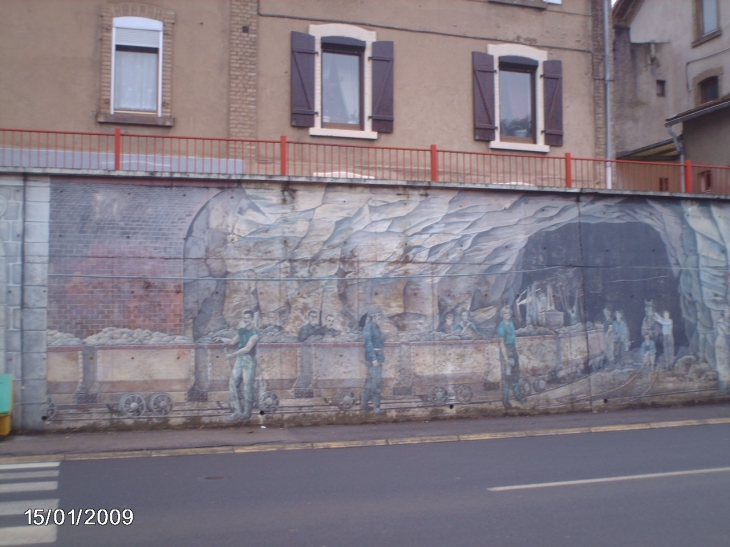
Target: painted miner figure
(372,338)
(243,372)
(311,328)
(649,325)
(667,337)
(508,358)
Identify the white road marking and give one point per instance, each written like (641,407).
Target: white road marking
(610,479)
(28,475)
(27,535)
(28,487)
(16,466)
(20,507)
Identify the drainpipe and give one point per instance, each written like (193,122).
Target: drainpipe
(20,367)
(607,82)
(680,149)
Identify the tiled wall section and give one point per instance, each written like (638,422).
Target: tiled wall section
(24,205)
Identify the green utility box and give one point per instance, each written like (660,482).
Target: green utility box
(6,403)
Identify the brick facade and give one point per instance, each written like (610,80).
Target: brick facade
(108,13)
(243,69)
(116,255)
(599,86)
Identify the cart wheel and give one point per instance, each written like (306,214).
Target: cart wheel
(539,385)
(525,387)
(50,408)
(132,404)
(438,395)
(161,404)
(464,393)
(345,399)
(268,402)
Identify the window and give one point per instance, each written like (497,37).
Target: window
(709,89)
(661,88)
(136,85)
(136,65)
(708,21)
(517,98)
(706,181)
(342,82)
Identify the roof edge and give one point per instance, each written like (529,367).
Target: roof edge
(699,111)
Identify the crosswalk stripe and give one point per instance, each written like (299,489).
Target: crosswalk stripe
(28,475)
(20,507)
(27,535)
(28,487)
(15,466)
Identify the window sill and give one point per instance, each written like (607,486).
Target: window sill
(707,37)
(135,119)
(537,4)
(344,133)
(519,146)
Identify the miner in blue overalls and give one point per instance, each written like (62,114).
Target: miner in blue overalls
(243,372)
(372,338)
(508,358)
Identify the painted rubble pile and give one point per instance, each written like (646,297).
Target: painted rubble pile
(56,339)
(112,336)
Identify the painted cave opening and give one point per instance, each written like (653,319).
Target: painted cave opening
(625,265)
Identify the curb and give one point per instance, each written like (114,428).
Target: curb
(354,444)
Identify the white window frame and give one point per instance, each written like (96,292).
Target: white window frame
(540,56)
(138,23)
(702,6)
(348,31)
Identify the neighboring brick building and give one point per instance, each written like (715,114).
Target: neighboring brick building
(672,60)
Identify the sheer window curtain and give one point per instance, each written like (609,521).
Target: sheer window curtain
(342,73)
(349,68)
(135,80)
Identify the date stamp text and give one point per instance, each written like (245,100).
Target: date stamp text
(79,517)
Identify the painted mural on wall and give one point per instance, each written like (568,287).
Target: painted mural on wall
(338,302)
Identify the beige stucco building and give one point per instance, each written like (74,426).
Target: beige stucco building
(672,60)
(476,75)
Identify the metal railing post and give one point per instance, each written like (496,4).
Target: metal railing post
(117,149)
(687,176)
(568,170)
(283,156)
(434,163)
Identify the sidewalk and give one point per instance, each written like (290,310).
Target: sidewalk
(73,446)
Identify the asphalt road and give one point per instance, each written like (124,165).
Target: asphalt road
(414,495)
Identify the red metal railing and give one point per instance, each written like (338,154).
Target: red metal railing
(628,175)
(710,179)
(511,169)
(350,161)
(56,149)
(197,155)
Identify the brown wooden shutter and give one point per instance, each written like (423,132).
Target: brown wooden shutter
(483,69)
(383,88)
(302,79)
(553,96)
